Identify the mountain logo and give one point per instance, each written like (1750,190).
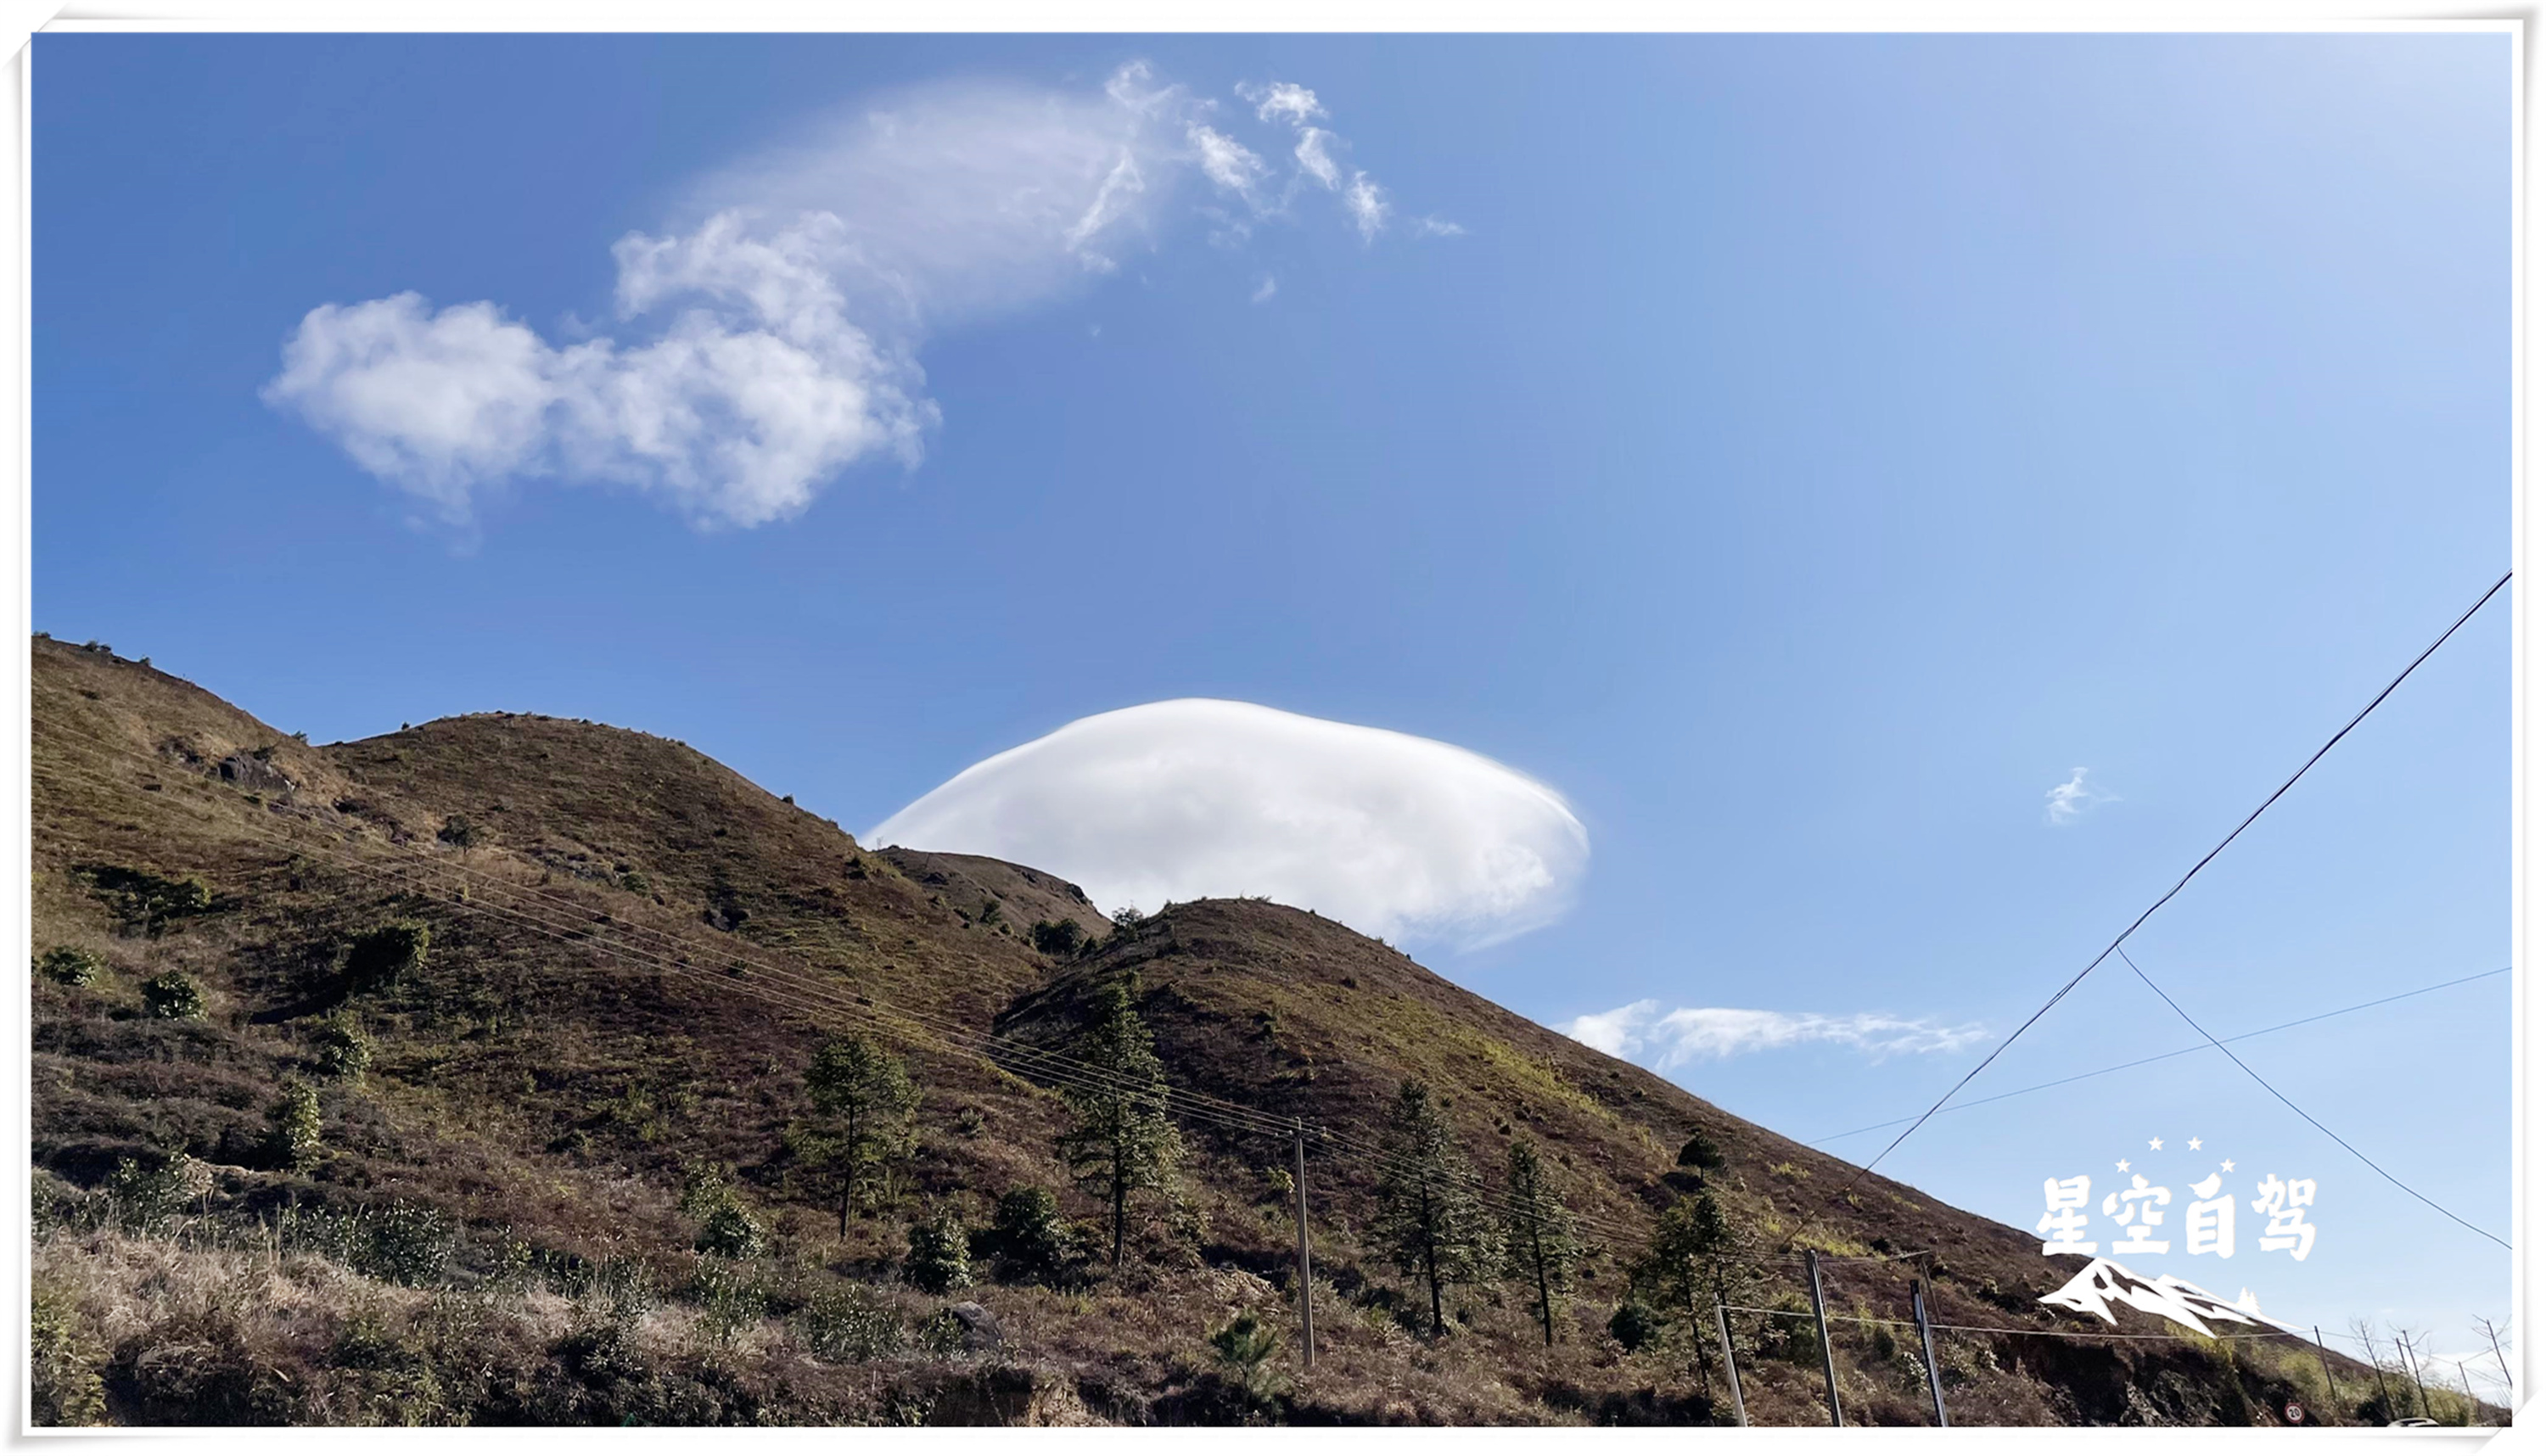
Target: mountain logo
(2103,1283)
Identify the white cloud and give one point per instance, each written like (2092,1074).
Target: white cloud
(1642,1030)
(2068,801)
(773,343)
(1395,835)
(1229,164)
(1283,101)
(1265,288)
(1438,228)
(754,392)
(1312,156)
(1367,204)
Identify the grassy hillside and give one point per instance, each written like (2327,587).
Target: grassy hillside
(633,954)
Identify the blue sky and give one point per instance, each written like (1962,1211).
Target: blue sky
(1801,453)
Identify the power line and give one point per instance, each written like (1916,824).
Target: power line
(2198,865)
(2169,1056)
(2294,1107)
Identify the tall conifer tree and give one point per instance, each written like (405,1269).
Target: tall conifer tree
(1123,1142)
(1429,1219)
(1540,1247)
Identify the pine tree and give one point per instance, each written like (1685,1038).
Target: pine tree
(865,1100)
(1540,1247)
(1429,1220)
(1688,1263)
(1123,1140)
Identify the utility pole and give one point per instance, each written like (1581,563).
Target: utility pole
(2508,1389)
(2474,1408)
(1927,1350)
(2417,1370)
(1300,1203)
(2333,1398)
(1731,1372)
(1820,1321)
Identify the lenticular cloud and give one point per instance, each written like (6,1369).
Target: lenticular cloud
(1395,835)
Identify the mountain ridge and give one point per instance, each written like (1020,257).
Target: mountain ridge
(633,950)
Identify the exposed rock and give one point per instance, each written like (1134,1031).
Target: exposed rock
(980,1326)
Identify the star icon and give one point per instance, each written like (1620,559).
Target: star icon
(2155,1143)
(2124,1165)
(2196,1144)
(2226,1167)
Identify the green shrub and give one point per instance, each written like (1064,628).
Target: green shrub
(292,1132)
(410,1244)
(730,1232)
(151,900)
(728,1302)
(635,882)
(852,1326)
(146,1195)
(71,966)
(380,957)
(1791,1333)
(1056,937)
(968,1122)
(458,832)
(1245,1345)
(1700,1152)
(726,1228)
(1032,1242)
(63,1361)
(1635,1326)
(939,1260)
(339,1049)
(170,997)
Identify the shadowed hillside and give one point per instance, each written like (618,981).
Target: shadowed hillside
(576,1173)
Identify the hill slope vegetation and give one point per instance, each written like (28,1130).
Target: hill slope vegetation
(478,1072)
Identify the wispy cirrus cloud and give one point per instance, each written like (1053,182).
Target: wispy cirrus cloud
(772,342)
(1641,1031)
(2065,802)
(1366,205)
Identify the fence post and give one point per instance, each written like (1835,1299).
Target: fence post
(2386,1403)
(1731,1371)
(2417,1372)
(1820,1321)
(1300,1203)
(2508,1390)
(2333,1396)
(1927,1350)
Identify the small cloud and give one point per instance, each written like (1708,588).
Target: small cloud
(2072,799)
(1438,228)
(1282,101)
(1312,156)
(1643,1029)
(1265,289)
(1367,204)
(1226,162)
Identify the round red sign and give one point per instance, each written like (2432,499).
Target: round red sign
(2293,1412)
